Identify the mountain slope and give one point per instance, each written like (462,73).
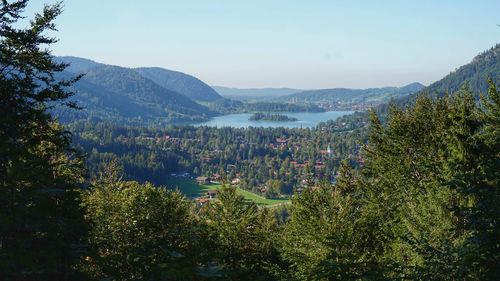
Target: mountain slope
(350,96)
(255,94)
(476,73)
(483,66)
(179,82)
(124,95)
(78,65)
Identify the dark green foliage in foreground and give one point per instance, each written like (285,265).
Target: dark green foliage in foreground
(324,238)
(39,226)
(424,208)
(241,238)
(138,231)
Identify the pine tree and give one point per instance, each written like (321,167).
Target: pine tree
(38,170)
(138,231)
(323,239)
(424,186)
(240,238)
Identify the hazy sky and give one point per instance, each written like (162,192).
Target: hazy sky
(282,43)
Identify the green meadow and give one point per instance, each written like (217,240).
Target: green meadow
(192,189)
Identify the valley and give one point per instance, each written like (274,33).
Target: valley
(323,160)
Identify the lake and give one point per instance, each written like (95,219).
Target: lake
(306,120)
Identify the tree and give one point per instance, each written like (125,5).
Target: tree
(38,170)
(324,240)
(425,183)
(483,186)
(138,231)
(241,238)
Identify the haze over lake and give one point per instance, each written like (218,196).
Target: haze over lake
(305,120)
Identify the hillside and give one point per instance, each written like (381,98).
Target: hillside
(352,96)
(476,73)
(181,83)
(123,95)
(483,66)
(254,94)
(78,65)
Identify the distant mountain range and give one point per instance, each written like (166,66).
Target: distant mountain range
(136,95)
(150,94)
(351,96)
(254,94)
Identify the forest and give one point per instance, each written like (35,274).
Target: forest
(407,193)
(271,117)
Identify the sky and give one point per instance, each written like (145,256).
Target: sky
(282,43)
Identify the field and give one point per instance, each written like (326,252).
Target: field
(193,189)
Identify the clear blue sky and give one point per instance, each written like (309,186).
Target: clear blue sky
(282,43)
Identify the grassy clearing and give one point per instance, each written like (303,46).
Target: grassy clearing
(192,189)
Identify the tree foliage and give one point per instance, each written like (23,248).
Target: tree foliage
(241,238)
(38,170)
(138,231)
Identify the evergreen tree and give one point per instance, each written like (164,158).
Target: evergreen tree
(422,181)
(138,231)
(39,216)
(323,239)
(483,186)
(241,238)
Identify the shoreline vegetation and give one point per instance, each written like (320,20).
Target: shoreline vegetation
(272,117)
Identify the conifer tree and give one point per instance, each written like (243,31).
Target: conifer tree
(38,170)
(138,231)
(241,238)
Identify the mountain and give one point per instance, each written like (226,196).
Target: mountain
(124,95)
(352,96)
(475,74)
(179,82)
(256,94)
(78,65)
(175,81)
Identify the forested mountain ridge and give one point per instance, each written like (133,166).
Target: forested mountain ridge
(175,81)
(344,95)
(124,95)
(255,94)
(476,73)
(179,82)
(78,65)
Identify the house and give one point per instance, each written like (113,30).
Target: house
(216,177)
(236,181)
(203,180)
(212,194)
(202,201)
(281,141)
